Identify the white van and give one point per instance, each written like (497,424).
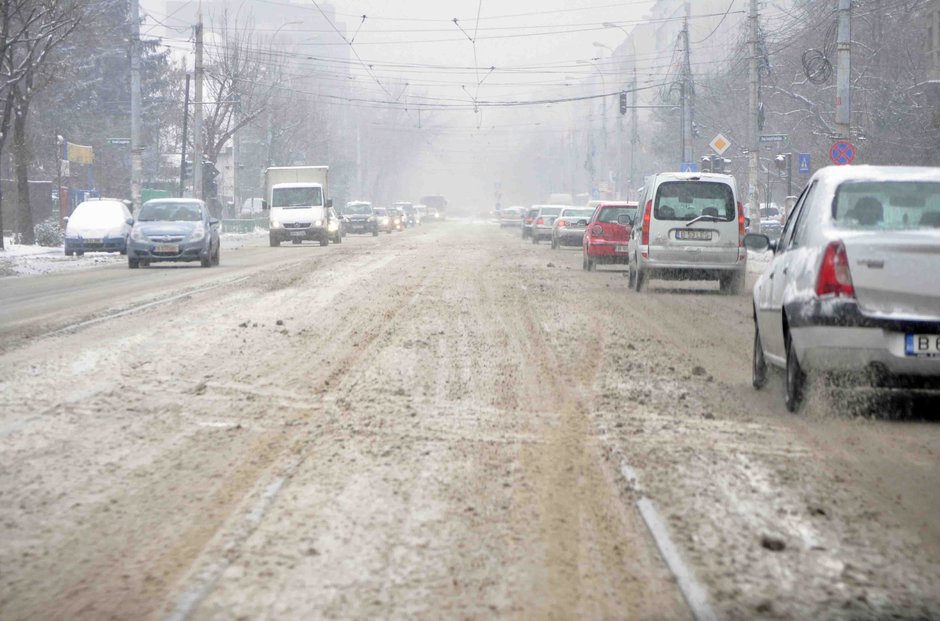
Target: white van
(691,228)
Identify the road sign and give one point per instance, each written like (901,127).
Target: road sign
(804,161)
(774,138)
(119,141)
(720,144)
(688,167)
(842,153)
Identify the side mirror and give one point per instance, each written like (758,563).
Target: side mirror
(758,242)
(264,205)
(329,202)
(625,219)
(65,219)
(129,221)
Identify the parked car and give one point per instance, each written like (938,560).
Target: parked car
(358,217)
(568,228)
(173,229)
(383,219)
(607,234)
(852,287)
(511,216)
(97,225)
(544,218)
(528,220)
(692,228)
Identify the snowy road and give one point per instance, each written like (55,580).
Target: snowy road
(443,423)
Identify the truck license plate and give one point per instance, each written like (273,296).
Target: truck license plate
(694,235)
(922,345)
(167,248)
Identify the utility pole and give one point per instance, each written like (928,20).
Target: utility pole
(753,154)
(634,131)
(686,92)
(843,79)
(185,138)
(135,105)
(236,155)
(197,115)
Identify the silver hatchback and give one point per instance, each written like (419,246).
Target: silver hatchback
(176,230)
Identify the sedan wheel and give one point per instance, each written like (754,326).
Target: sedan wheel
(796,379)
(758,363)
(217,257)
(133,263)
(554,243)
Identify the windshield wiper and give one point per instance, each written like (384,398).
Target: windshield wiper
(708,217)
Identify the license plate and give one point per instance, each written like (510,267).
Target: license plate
(92,241)
(167,248)
(297,233)
(694,235)
(922,345)
(620,248)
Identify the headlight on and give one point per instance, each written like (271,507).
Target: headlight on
(137,235)
(198,234)
(318,223)
(275,224)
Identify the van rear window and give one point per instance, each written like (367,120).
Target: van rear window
(687,200)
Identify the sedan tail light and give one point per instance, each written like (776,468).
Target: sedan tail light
(540,222)
(834,275)
(562,223)
(597,230)
(647,215)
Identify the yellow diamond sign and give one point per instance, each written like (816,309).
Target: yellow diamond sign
(720,144)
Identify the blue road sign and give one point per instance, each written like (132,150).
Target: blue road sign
(805,167)
(688,167)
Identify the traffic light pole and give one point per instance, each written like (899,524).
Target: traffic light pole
(197,115)
(185,138)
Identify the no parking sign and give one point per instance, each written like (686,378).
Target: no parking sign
(842,153)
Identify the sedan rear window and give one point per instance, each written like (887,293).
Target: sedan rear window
(887,205)
(687,200)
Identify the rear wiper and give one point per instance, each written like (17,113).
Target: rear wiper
(710,218)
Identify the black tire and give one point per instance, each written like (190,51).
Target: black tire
(535,239)
(133,263)
(217,257)
(640,282)
(339,238)
(554,243)
(731,284)
(323,242)
(584,261)
(590,265)
(124,251)
(796,379)
(274,242)
(632,276)
(80,253)
(758,363)
(375,233)
(69,253)
(206,261)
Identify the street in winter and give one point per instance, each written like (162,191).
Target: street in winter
(486,311)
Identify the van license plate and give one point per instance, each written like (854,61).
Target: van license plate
(922,345)
(167,248)
(694,235)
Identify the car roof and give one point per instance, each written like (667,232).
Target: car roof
(619,204)
(839,174)
(174,201)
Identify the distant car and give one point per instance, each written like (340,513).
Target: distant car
(691,228)
(383,219)
(358,217)
(97,225)
(542,227)
(853,285)
(771,221)
(528,221)
(608,233)
(568,228)
(511,216)
(421,214)
(335,227)
(408,213)
(397,218)
(174,229)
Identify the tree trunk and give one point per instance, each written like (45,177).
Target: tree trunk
(21,160)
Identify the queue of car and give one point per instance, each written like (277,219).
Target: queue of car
(851,295)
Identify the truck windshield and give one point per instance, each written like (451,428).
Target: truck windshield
(297,197)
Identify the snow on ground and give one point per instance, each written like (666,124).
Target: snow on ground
(22,260)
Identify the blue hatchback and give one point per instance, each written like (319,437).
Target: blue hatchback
(174,229)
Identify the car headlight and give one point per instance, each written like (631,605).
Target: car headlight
(318,223)
(198,234)
(275,224)
(137,234)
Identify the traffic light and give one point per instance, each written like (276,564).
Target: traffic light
(706,165)
(715,164)
(209,186)
(623,102)
(187,170)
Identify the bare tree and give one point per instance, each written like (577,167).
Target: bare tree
(29,31)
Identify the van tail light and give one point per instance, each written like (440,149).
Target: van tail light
(834,275)
(562,223)
(540,222)
(647,215)
(741,229)
(597,230)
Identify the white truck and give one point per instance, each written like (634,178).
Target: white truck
(298,205)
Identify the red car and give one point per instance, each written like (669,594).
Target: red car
(607,234)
